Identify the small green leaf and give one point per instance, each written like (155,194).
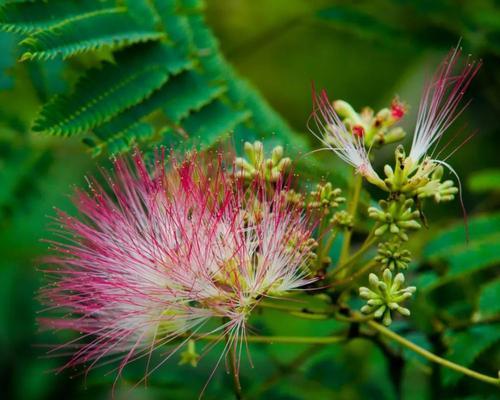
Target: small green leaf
(466,346)
(111,28)
(105,92)
(489,300)
(485,181)
(33,16)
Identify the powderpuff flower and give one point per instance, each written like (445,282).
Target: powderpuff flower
(440,104)
(159,255)
(332,132)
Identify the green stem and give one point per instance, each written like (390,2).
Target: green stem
(431,356)
(295,310)
(328,244)
(353,206)
(369,241)
(238,393)
(280,339)
(321,231)
(360,272)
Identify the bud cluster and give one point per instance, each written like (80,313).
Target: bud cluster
(257,166)
(395,216)
(375,128)
(384,296)
(418,180)
(391,255)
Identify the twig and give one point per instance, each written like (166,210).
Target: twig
(431,356)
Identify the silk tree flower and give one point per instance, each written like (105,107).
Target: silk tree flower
(332,132)
(440,105)
(155,258)
(419,173)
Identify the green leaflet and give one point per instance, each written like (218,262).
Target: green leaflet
(485,181)
(202,129)
(105,92)
(466,346)
(7,60)
(189,92)
(213,121)
(182,94)
(460,257)
(134,134)
(143,94)
(34,16)
(111,28)
(489,300)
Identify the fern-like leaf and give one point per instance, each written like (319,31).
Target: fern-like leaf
(107,91)
(466,346)
(34,16)
(111,28)
(182,94)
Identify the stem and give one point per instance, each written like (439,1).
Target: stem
(328,244)
(363,270)
(370,239)
(321,232)
(353,206)
(431,356)
(281,339)
(236,376)
(306,311)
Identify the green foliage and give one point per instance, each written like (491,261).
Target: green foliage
(34,16)
(104,28)
(148,92)
(7,45)
(111,89)
(20,173)
(485,181)
(431,24)
(459,256)
(489,300)
(466,346)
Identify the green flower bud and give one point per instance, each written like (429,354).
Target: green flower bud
(257,166)
(293,198)
(394,135)
(325,196)
(342,219)
(395,216)
(440,191)
(189,355)
(373,128)
(346,111)
(385,295)
(390,255)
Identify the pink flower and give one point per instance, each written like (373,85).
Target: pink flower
(332,132)
(163,252)
(439,106)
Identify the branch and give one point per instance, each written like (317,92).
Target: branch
(431,356)
(279,339)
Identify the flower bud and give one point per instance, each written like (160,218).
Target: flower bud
(395,216)
(391,256)
(270,169)
(384,296)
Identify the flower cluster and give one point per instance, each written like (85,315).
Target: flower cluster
(257,166)
(415,177)
(385,295)
(374,128)
(165,251)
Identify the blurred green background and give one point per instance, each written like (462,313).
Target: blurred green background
(364,52)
